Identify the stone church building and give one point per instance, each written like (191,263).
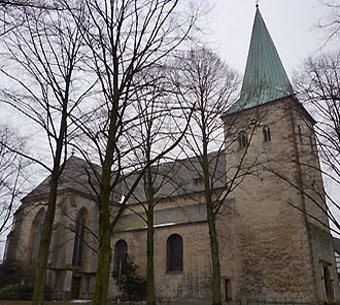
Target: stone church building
(273,241)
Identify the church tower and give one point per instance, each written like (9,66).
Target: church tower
(282,245)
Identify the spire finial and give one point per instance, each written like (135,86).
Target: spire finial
(257,3)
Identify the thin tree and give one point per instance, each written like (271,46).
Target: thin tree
(44,58)
(124,38)
(160,119)
(318,88)
(330,23)
(11,12)
(205,79)
(11,175)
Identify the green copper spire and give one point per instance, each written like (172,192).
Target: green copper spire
(265,78)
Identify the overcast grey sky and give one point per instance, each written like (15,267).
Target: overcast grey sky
(291,23)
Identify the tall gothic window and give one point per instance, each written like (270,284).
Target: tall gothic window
(78,245)
(266,133)
(175,253)
(37,227)
(121,255)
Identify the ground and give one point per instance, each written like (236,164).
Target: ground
(30,302)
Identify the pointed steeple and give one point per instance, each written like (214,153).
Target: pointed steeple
(265,78)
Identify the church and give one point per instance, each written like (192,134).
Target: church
(274,240)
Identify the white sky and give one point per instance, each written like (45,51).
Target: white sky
(291,23)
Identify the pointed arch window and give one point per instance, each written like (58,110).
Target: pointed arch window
(78,246)
(120,255)
(266,133)
(37,228)
(175,253)
(242,139)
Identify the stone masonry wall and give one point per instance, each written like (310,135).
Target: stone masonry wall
(194,282)
(315,204)
(273,242)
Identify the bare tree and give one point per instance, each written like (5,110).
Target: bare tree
(318,88)
(25,3)
(11,12)
(11,176)
(44,61)
(124,39)
(330,23)
(204,79)
(160,126)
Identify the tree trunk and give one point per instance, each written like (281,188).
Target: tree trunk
(41,269)
(150,277)
(211,217)
(150,197)
(46,234)
(104,259)
(215,259)
(105,230)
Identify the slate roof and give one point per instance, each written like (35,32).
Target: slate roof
(180,177)
(75,177)
(173,178)
(265,78)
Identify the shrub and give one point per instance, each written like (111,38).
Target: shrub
(11,272)
(129,283)
(20,292)
(16,292)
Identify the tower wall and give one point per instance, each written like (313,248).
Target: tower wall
(275,244)
(323,253)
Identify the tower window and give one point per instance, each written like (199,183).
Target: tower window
(79,238)
(242,140)
(300,133)
(175,253)
(227,287)
(266,133)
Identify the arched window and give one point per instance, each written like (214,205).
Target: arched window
(175,253)
(78,245)
(37,228)
(120,255)
(242,139)
(266,133)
